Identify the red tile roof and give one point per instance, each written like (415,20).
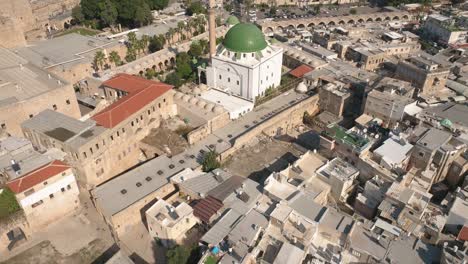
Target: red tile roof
(140,93)
(37,176)
(463,235)
(301,71)
(206,208)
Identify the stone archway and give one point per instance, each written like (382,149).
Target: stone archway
(351,21)
(301,27)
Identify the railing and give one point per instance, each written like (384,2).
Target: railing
(277,91)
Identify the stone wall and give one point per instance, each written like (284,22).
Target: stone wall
(203,131)
(279,124)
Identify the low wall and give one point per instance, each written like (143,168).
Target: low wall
(279,124)
(205,130)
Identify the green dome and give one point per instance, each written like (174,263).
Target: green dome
(244,37)
(232,20)
(446,123)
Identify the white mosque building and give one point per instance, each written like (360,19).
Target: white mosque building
(245,63)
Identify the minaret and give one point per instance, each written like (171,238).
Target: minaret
(212,28)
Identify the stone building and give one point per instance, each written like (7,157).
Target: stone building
(27,90)
(170,223)
(436,150)
(105,145)
(47,193)
(341,176)
(424,72)
(444,29)
(123,200)
(334,98)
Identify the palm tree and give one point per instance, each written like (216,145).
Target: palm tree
(99,60)
(180,29)
(145,41)
(172,32)
(131,38)
(114,57)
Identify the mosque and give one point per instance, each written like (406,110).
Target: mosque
(245,64)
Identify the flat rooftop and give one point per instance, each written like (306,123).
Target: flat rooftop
(231,103)
(434,139)
(339,169)
(21,80)
(69,49)
(350,138)
(64,128)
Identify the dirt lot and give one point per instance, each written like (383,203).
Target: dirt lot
(45,253)
(259,160)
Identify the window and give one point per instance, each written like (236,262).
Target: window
(229,79)
(141,117)
(159,105)
(148,179)
(28,192)
(37,204)
(55,107)
(68,187)
(67,101)
(153,108)
(31,116)
(123,191)
(112,137)
(132,123)
(138,184)
(118,134)
(421,154)
(51,196)
(123,130)
(97,146)
(3,126)
(220,77)
(84,155)
(237,82)
(45,183)
(64,173)
(160,172)
(164,100)
(91,150)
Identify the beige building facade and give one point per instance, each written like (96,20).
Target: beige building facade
(47,193)
(107,144)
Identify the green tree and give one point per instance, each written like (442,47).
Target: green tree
(182,57)
(143,14)
(178,255)
(353,11)
(184,70)
(132,38)
(173,79)
(90,9)
(145,39)
(180,29)
(158,4)
(8,203)
(195,7)
(156,43)
(210,161)
(196,50)
(99,60)
(108,12)
(272,11)
(204,45)
(131,54)
(150,74)
(317,9)
(170,33)
(114,57)
(77,15)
